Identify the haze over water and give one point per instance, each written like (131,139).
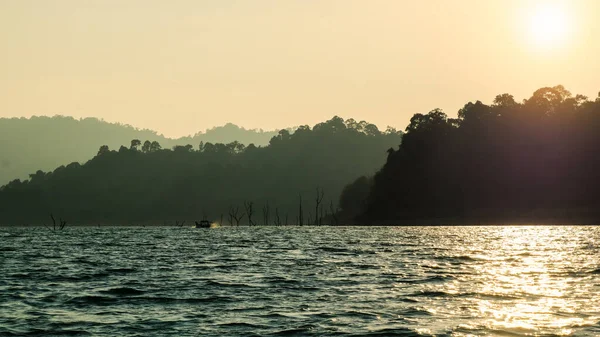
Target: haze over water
(406,281)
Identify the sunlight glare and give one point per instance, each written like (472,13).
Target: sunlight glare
(550,25)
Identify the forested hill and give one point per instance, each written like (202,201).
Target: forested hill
(145,182)
(535,161)
(30,144)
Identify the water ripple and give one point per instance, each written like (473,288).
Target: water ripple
(389,281)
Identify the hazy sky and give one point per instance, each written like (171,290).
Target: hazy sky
(180,66)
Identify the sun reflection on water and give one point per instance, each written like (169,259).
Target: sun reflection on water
(528,276)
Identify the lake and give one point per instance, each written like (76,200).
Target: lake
(300,281)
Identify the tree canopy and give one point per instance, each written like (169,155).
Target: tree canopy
(508,161)
(146,182)
(29,144)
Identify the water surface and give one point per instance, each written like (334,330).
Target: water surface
(404,281)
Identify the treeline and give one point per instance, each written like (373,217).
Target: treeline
(296,179)
(29,144)
(536,160)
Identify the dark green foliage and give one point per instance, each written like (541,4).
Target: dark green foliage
(532,160)
(147,183)
(29,144)
(353,198)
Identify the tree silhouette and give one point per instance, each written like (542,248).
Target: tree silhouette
(146,147)
(135,143)
(153,184)
(508,161)
(21,135)
(103,150)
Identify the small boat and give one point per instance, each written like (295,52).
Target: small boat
(202,224)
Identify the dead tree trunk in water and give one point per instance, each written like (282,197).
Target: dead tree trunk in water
(318,200)
(62,224)
(249,210)
(321,215)
(230,215)
(277,218)
(266,211)
(300,212)
(234,214)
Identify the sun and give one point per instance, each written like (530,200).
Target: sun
(550,26)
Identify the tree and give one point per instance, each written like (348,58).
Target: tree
(266,214)
(504,101)
(282,136)
(155,146)
(499,162)
(156,184)
(248,205)
(183,148)
(353,199)
(318,201)
(146,147)
(103,150)
(135,143)
(234,214)
(371,130)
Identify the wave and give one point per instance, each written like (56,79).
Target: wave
(428,293)
(239,285)
(414,312)
(123,291)
(344,251)
(121,270)
(302,290)
(291,332)
(431,279)
(168,300)
(281,280)
(93,300)
(465,258)
(356,313)
(404,332)
(111,300)
(42,332)
(243,325)
(77,278)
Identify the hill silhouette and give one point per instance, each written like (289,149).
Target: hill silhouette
(30,144)
(534,161)
(143,181)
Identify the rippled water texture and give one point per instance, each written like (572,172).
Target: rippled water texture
(405,281)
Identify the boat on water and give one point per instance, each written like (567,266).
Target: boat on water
(202,224)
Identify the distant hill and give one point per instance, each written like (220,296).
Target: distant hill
(534,161)
(30,144)
(296,179)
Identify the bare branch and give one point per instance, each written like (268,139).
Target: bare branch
(266,213)
(249,211)
(318,200)
(235,215)
(53,221)
(300,212)
(277,218)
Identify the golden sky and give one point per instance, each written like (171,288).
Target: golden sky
(181,66)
